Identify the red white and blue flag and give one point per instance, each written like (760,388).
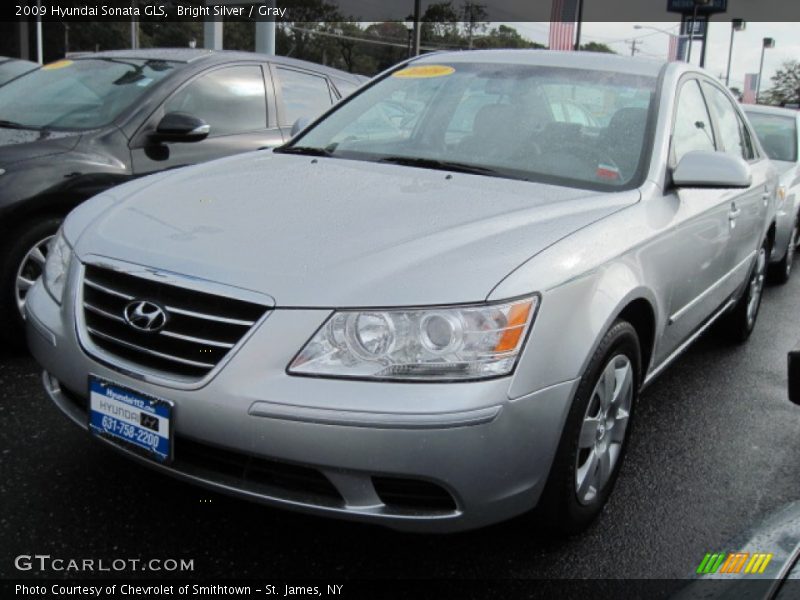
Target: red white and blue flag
(750,86)
(563,15)
(677,47)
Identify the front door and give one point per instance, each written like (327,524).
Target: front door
(232,100)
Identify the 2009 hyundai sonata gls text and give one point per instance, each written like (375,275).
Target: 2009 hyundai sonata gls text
(434,308)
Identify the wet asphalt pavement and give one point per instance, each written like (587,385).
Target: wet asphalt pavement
(715,448)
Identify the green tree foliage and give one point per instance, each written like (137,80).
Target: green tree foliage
(596,47)
(505,37)
(785,85)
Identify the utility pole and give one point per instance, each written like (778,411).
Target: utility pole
(417,27)
(578,26)
(634,44)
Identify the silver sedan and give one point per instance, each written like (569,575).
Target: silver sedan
(779,132)
(433,309)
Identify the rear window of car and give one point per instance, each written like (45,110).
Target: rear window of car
(777,134)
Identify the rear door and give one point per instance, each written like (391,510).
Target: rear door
(747,216)
(235,101)
(300,94)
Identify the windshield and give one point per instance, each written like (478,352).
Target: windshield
(777,134)
(11,69)
(582,128)
(80,94)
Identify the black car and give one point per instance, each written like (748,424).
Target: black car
(11,68)
(79,126)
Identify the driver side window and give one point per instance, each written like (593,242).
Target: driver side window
(692,130)
(231,100)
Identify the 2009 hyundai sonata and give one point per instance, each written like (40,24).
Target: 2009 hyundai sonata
(434,308)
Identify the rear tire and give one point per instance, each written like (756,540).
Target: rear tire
(740,322)
(595,437)
(22,264)
(781,272)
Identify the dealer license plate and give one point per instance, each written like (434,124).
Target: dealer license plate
(135,420)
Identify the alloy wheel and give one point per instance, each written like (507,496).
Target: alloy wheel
(603,429)
(756,287)
(30,269)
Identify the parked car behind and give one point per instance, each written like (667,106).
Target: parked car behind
(11,68)
(79,126)
(392,321)
(779,132)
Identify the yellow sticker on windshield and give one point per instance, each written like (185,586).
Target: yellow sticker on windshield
(59,64)
(424,71)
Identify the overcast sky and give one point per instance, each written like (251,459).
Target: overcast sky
(746,45)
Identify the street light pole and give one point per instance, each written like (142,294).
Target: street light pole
(417,27)
(767,43)
(736,25)
(691,33)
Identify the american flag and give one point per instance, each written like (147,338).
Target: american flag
(676,48)
(750,85)
(562,24)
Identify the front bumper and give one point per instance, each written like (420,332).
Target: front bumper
(425,457)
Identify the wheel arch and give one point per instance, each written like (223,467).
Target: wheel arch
(574,317)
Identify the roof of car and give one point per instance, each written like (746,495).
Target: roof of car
(4,59)
(190,55)
(575,60)
(770,110)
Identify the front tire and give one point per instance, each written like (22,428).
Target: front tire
(595,435)
(22,264)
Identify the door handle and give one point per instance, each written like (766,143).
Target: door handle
(733,214)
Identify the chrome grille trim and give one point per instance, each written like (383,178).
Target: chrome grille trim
(197,315)
(196,340)
(101,288)
(204,328)
(176,359)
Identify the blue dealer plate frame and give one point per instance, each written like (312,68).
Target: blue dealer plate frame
(134,420)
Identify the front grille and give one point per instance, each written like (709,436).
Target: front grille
(201,327)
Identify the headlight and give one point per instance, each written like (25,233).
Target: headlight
(55,269)
(429,344)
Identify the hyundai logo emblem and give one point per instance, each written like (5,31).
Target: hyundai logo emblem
(145,316)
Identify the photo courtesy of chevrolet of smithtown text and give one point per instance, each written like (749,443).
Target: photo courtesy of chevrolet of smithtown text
(400,299)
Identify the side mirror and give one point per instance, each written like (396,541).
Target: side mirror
(704,168)
(180,127)
(299,125)
(794,375)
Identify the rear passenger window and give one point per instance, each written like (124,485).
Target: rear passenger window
(730,126)
(692,124)
(304,95)
(345,87)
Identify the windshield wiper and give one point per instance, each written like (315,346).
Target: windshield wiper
(305,150)
(440,165)
(14,125)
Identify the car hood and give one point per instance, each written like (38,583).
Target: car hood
(17,145)
(332,233)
